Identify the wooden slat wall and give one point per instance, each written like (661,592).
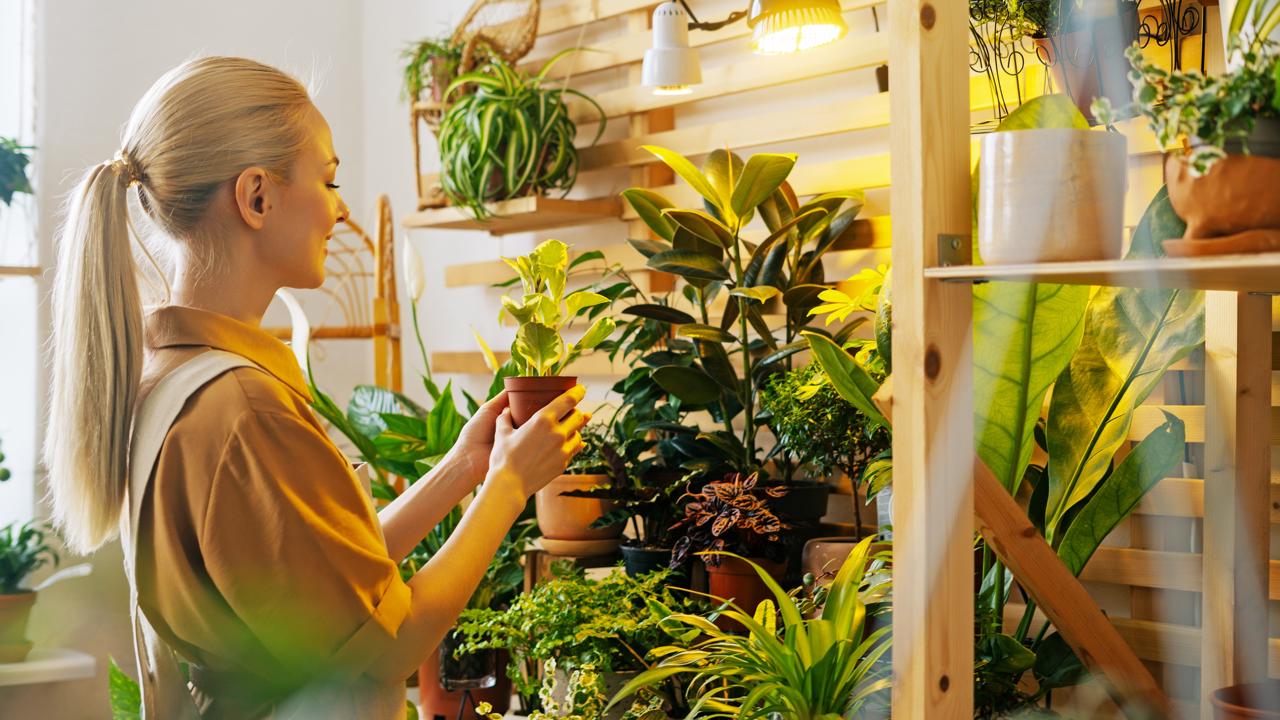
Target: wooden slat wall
(1150,560)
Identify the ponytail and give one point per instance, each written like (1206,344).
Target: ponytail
(97,359)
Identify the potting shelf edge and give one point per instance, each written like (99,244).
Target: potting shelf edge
(1259,273)
(48,665)
(519,215)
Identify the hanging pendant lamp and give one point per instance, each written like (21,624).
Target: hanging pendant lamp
(788,26)
(670,66)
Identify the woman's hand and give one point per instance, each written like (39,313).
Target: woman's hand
(529,457)
(475,443)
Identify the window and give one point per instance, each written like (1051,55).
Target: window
(19,270)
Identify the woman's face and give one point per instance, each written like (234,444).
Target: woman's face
(309,207)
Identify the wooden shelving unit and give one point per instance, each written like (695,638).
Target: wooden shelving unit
(1233,273)
(526,214)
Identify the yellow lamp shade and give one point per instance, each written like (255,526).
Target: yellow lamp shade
(787,26)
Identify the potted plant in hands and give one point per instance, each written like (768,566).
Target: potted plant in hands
(1226,183)
(569,511)
(539,352)
(24,549)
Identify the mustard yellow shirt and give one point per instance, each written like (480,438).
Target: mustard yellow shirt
(260,557)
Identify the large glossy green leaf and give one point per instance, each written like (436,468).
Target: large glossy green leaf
(1055,110)
(662,313)
(369,402)
(710,333)
(687,172)
(538,348)
(702,225)
(1024,334)
(763,173)
(689,264)
(1152,460)
(581,300)
(649,206)
(1131,337)
(723,169)
(647,247)
(690,384)
(850,379)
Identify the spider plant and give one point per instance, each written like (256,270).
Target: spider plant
(824,668)
(510,138)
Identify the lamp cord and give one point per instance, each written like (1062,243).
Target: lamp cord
(696,24)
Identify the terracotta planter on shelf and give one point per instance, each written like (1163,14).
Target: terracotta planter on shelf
(736,580)
(565,522)
(1251,701)
(1052,195)
(528,395)
(1233,208)
(15,610)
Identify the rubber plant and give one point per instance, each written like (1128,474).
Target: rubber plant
(720,367)
(511,137)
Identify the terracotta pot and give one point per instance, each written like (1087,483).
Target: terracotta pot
(1251,701)
(570,518)
(1052,195)
(823,556)
(440,704)
(1233,208)
(15,610)
(528,395)
(736,580)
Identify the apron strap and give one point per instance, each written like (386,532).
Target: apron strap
(164,689)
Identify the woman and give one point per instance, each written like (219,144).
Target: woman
(256,556)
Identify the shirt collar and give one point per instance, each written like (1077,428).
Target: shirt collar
(178,325)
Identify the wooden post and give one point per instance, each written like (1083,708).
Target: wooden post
(1237,501)
(933,364)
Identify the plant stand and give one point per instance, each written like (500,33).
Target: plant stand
(935,495)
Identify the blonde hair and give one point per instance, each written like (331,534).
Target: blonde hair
(199,126)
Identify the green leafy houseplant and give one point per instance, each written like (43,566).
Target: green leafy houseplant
(575,621)
(721,367)
(4,471)
(545,310)
(1102,353)
(430,65)
(825,668)
(511,137)
(24,548)
(13,169)
(1211,112)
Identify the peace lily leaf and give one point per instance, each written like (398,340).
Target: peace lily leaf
(691,385)
(702,225)
(649,206)
(686,171)
(490,360)
(1004,654)
(583,299)
(763,173)
(689,264)
(759,294)
(849,378)
(706,332)
(1151,461)
(1056,664)
(538,347)
(1131,337)
(1024,334)
(369,402)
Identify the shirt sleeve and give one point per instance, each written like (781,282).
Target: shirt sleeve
(292,543)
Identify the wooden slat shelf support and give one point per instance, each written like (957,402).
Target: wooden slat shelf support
(1039,571)
(520,215)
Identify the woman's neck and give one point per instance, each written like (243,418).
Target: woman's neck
(237,293)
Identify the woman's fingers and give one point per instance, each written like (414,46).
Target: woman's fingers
(564,404)
(504,426)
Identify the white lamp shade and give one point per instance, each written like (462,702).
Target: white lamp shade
(670,64)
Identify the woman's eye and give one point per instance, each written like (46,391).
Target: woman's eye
(331,186)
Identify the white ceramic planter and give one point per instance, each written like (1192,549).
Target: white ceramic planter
(1052,195)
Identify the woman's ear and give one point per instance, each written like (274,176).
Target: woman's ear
(253,196)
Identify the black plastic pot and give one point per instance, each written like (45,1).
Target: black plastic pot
(469,671)
(805,501)
(639,560)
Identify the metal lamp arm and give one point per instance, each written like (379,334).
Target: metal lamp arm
(696,24)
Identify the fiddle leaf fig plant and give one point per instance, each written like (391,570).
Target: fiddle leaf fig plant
(544,311)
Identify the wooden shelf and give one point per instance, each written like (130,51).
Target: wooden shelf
(47,665)
(520,215)
(1258,273)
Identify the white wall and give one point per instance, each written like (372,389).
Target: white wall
(94,60)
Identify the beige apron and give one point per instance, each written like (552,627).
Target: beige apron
(165,692)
